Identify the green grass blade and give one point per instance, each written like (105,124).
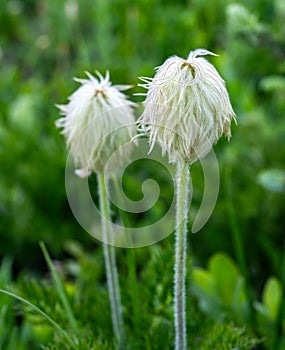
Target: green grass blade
(41,312)
(60,288)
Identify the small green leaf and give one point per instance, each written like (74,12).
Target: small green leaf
(272,296)
(203,286)
(261,309)
(240,301)
(204,281)
(225,274)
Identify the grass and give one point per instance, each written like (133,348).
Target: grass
(42,46)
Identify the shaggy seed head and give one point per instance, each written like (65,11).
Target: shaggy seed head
(98,120)
(187,107)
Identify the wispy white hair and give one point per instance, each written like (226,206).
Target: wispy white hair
(187,107)
(96,122)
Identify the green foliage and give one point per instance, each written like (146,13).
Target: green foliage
(221,294)
(271,299)
(43,44)
(228,337)
(11,335)
(154,326)
(220,289)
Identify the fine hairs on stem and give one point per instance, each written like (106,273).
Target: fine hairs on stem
(111,267)
(187,109)
(182,195)
(96,121)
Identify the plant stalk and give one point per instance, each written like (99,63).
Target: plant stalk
(110,265)
(182,191)
(131,262)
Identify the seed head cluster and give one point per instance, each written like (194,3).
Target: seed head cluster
(96,122)
(187,107)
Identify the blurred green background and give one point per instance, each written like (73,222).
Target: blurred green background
(44,44)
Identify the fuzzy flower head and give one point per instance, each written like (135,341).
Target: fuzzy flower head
(187,107)
(96,122)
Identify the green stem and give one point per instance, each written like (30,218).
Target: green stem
(182,188)
(131,262)
(110,264)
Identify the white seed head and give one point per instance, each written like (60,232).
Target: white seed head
(96,122)
(187,107)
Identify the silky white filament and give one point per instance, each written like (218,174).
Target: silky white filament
(187,107)
(98,120)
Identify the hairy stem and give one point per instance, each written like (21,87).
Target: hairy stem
(182,188)
(131,262)
(110,264)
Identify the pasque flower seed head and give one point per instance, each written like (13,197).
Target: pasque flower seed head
(187,107)
(96,122)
